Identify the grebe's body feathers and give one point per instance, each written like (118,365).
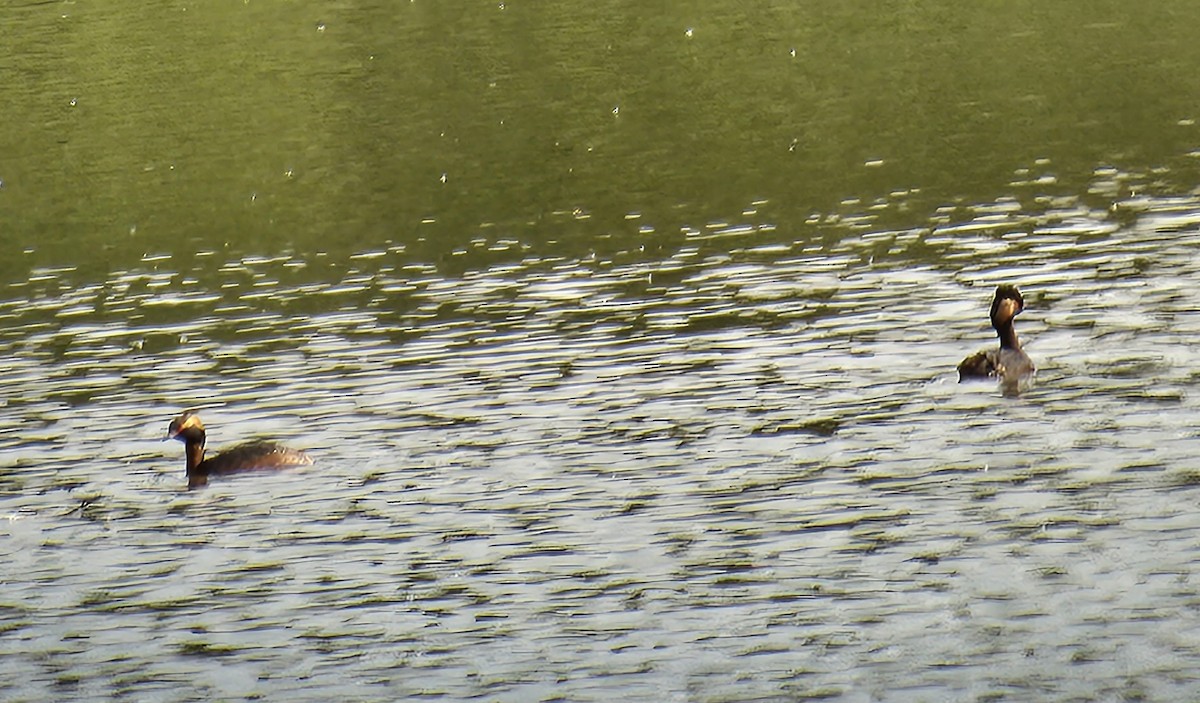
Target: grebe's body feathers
(1009,362)
(250,456)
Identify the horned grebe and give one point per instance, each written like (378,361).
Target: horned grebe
(251,456)
(1009,363)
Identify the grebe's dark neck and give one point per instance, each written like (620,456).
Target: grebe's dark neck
(193,451)
(1008,340)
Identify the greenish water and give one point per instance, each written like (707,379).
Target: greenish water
(624,336)
(336,129)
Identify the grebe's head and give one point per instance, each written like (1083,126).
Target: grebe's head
(186,427)
(1007,304)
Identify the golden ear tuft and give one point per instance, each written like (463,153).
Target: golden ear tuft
(187,420)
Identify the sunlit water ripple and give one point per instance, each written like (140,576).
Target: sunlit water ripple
(742,471)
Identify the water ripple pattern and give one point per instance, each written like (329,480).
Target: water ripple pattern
(741,470)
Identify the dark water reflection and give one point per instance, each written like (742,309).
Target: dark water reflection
(652,397)
(560,130)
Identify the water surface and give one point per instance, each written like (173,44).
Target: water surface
(625,339)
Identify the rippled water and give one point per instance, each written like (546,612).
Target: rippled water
(739,470)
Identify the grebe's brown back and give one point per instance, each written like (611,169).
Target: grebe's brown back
(251,456)
(1009,362)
